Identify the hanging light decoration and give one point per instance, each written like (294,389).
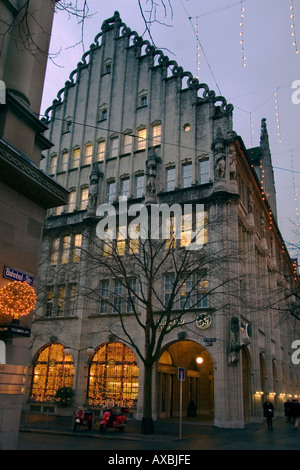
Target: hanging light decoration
(277,116)
(242,35)
(17,299)
(198,49)
(295,190)
(293,26)
(251,130)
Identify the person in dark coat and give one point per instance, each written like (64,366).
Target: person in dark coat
(269,413)
(287,410)
(295,412)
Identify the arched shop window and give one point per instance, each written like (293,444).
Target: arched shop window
(52,370)
(113,376)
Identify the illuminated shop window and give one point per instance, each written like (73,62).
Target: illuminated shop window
(113,375)
(52,369)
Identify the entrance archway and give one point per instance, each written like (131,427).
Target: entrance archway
(198,387)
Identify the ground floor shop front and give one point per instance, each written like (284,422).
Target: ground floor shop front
(190,378)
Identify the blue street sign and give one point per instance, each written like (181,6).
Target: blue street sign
(181,374)
(15,275)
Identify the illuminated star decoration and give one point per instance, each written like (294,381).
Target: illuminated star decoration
(17,299)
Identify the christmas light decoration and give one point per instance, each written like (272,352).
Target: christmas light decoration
(295,190)
(17,299)
(242,35)
(198,48)
(293,26)
(277,115)
(251,130)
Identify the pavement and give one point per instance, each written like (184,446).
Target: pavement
(193,434)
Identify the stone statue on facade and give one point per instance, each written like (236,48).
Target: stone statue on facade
(93,189)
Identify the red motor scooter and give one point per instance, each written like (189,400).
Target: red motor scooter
(117,421)
(83,418)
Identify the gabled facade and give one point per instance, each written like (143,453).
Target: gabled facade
(132,125)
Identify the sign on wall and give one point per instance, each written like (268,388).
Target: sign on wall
(14,275)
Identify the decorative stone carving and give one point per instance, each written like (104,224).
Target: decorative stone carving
(234,346)
(93,189)
(151,175)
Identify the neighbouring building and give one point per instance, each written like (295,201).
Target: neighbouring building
(131,125)
(26,192)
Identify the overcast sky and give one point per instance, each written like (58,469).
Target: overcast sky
(271,66)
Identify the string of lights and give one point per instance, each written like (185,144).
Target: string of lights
(295,190)
(242,35)
(198,50)
(293,26)
(277,116)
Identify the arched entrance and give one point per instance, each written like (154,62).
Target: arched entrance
(198,387)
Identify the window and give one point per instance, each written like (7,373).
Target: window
(76,158)
(88,154)
(170,179)
(187,175)
(202,301)
(103,115)
(52,369)
(64,161)
(61,300)
(185,294)
(170,233)
(84,198)
(143,100)
(113,375)
(204,171)
(139,185)
(131,300)
(169,284)
(101,151)
(121,240)
(186,230)
(54,251)
(127,144)
(142,138)
(111,191)
(114,147)
(104,296)
(53,164)
(72,201)
(77,247)
(59,210)
(66,249)
(73,298)
(67,125)
(49,305)
(117,300)
(124,189)
(156,134)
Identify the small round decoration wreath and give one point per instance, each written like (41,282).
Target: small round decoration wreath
(17,298)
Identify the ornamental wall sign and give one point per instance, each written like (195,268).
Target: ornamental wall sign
(203,320)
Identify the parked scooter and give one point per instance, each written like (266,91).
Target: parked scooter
(117,421)
(83,418)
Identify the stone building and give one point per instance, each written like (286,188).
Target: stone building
(26,192)
(131,125)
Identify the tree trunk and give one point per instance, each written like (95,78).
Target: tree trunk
(147,420)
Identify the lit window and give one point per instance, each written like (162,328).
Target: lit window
(59,210)
(111,191)
(101,151)
(108,242)
(88,154)
(84,198)
(51,370)
(127,145)
(49,306)
(139,185)
(187,175)
(76,158)
(73,298)
(113,375)
(64,161)
(156,134)
(53,164)
(77,247)
(202,290)
(54,251)
(61,300)
(114,147)
(142,139)
(185,294)
(121,240)
(170,179)
(72,201)
(66,249)
(186,230)
(203,171)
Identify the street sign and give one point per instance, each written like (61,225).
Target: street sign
(10,330)
(181,374)
(14,275)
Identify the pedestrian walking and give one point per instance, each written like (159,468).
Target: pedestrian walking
(287,410)
(269,413)
(295,412)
